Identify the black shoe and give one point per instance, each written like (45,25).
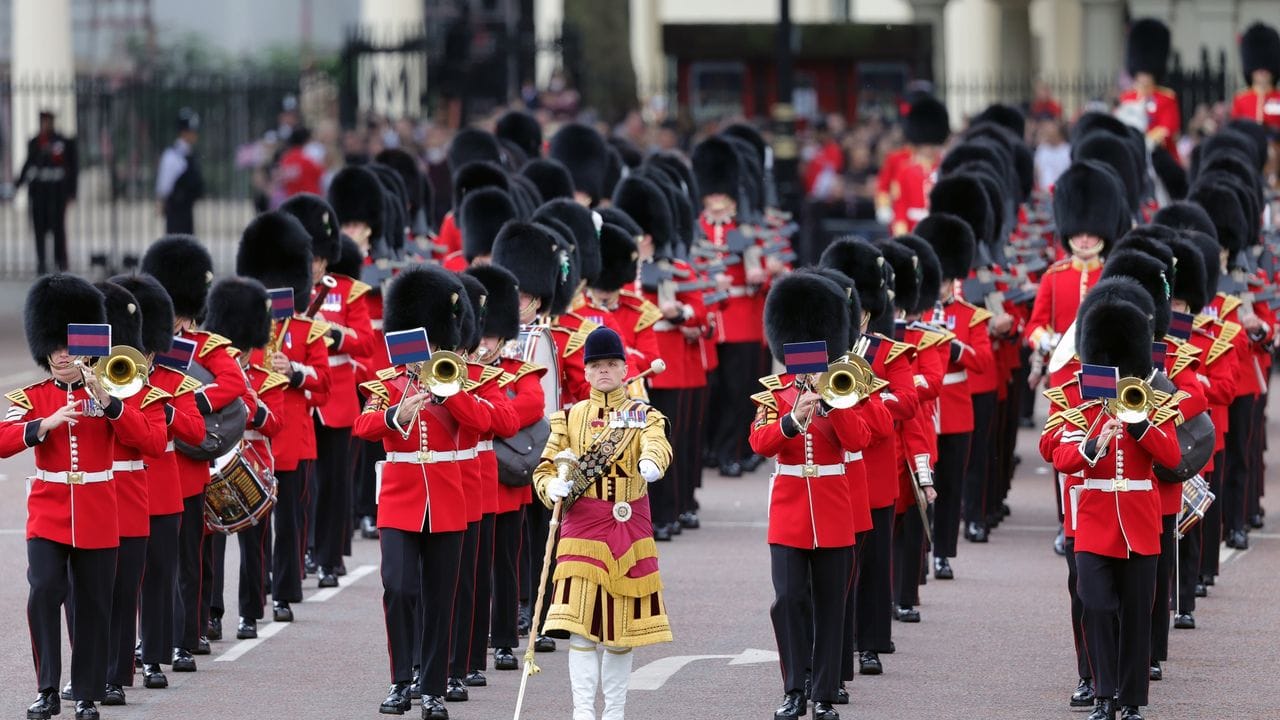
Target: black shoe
(869,663)
(753,461)
(523,622)
(114,695)
(674,528)
(544,644)
(202,647)
(247,629)
(213,632)
(907,615)
(455,691)
(689,520)
(709,460)
(433,708)
(661,533)
(368,528)
(46,705)
(1255,521)
(1201,590)
(153,678)
(942,569)
(824,711)
(892,649)
(1237,539)
(415,690)
(842,695)
(976,532)
(1156,672)
(475,678)
(86,710)
(1026,422)
(1130,712)
(182,660)
(1209,580)
(1184,621)
(1060,542)
(504,659)
(1103,709)
(308,564)
(65,693)
(793,706)
(1083,696)
(397,702)
(328,579)
(1004,507)
(340,570)
(281,612)
(730,470)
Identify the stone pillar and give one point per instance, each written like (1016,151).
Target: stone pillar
(391,84)
(42,69)
(1016,65)
(647,56)
(932,12)
(547,24)
(1103,32)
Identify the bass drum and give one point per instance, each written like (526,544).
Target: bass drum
(1196,499)
(535,345)
(241,491)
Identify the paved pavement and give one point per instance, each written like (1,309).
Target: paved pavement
(994,643)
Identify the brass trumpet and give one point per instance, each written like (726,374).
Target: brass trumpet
(444,373)
(1133,401)
(846,382)
(122,373)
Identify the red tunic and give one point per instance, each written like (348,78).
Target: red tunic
(82,515)
(264,397)
(909,190)
(482,472)
(345,310)
(215,354)
(569,332)
(185,423)
(741,317)
(918,435)
(1061,397)
(1058,297)
(1222,366)
(523,387)
(1182,365)
(1163,116)
(450,237)
(973,353)
(129,473)
(686,365)
(1252,354)
(303,342)
(1260,108)
(892,364)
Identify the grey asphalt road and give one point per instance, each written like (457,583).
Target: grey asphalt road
(994,643)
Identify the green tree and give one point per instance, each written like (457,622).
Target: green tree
(604,74)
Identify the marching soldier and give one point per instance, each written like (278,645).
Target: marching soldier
(72,528)
(1147,58)
(421,541)
(1260,60)
(618,446)
(926,128)
(275,249)
(52,171)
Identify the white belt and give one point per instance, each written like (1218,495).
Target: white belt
(952,378)
(484,446)
(376,323)
(254,435)
(1121,485)
(73,478)
(128,466)
(917,214)
(168,447)
(810,470)
(738,291)
(429,457)
(852,456)
(339,360)
(665,326)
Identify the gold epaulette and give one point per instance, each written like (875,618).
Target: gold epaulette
(520,372)
(1057,396)
(1229,303)
(897,350)
(877,385)
(272,381)
(765,399)
(1160,397)
(772,382)
(154,395)
(1167,92)
(1201,320)
(930,339)
(319,329)
(387,373)
(188,385)
(1076,417)
(1169,411)
(1053,422)
(649,313)
(1230,330)
(1184,358)
(1056,267)
(357,289)
(377,388)
(489,373)
(1219,347)
(980,315)
(19,397)
(577,338)
(213,342)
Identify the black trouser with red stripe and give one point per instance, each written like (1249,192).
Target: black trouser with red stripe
(286,557)
(665,493)
(187,600)
(478,657)
(130,563)
(874,584)
(739,368)
(978,468)
(419,574)
(692,443)
(824,575)
(1239,465)
(464,601)
(1165,565)
(332,502)
(60,574)
(1211,525)
(1189,568)
(948,481)
(159,581)
(908,558)
(1117,596)
(1083,668)
(508,536)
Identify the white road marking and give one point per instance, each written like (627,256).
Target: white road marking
(654,675)
(235,652)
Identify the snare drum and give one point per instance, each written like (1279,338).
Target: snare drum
(241,491)
(1196,499)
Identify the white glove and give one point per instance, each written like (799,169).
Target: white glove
(884,214)
(649,470)
(558,489)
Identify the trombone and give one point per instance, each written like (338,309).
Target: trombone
(122,373)
(1134,400)
(846,382)
(443,374)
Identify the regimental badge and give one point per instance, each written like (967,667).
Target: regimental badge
(332,302)
(90,408)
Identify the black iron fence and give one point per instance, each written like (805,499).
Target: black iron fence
(121,128)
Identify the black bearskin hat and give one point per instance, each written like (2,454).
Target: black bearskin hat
(1183,215)
(1006,116)
(471,321)
(803,307)
(124,314)
(1223,207)
(618,256)
(356,197)
(717,169)
(1093,121)
(502,310)
(862,262)
(525,196)
(1170,173)
(482,215)
(551,178)
(1118,288)
(320,221)
(1148,48)
(157,311)
(472,145)
(1189,283)
(1154,241)
(584,235)
(746,132)
(239,311)
(586,156)
(53,302)
(613,216)
(964,197)
(473,176)
(522,129)
(906,274)
(1260,50)
(848,287)
(927,122)
(1152,275)
(1088,199)
(930,273)
(646,204)
(350,259)
(1210,259)
(427,296)
(183,267)
(952,241)
(406,166)
(1260,135)
(1231,138)
(532,254)
(1116,334)
(1115,154)
(276,250)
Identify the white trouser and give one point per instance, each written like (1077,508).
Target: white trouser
(615,674)
(584,676)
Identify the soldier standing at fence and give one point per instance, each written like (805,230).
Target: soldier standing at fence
(52,171)
(179,182)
